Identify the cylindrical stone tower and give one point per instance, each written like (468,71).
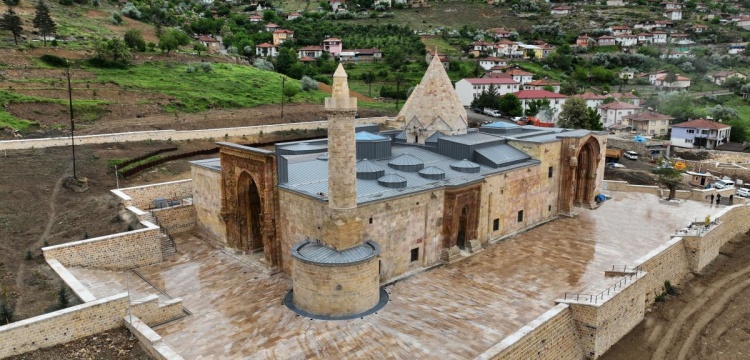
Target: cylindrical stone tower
(342,146)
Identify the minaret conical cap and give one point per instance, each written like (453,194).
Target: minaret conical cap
(340,98)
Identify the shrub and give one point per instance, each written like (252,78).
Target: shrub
(29,255)
(53,60)
(308,84)
(207,67)
(232,50)
(131,11)
(263,64)
(190,69)
(66,2)
(322,78)
(54,42)
(669,289)
(106,64)
(62,297)
(6,311)
(115,18)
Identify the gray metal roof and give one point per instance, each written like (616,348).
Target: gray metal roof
(368,170)
(366,136)
(432,173)
(406,162)
(392,181)
(318,253)
(212,164)
(465,166)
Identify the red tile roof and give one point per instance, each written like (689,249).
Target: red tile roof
(519,72)
(591,96)
(265,45)
(491,80)
(542,83)
(701,124)
(307,59)
(312,48)
(331,39)
(619,105)
(538,94)
(648,116)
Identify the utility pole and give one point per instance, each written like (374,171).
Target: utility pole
(283,79)
(72,123)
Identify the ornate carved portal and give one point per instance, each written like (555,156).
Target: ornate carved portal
(585,174)
(249,201)
(461,216)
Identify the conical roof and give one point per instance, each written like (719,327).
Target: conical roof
(368,136)
(407,162)
(392,181)
(465,166)
(368,170)
(432,173)
(435,103)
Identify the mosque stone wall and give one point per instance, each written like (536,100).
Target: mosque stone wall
(207,203)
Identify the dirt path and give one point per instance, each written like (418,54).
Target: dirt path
(710,319)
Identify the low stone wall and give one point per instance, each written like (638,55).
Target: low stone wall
(63,325)
(669,262)
(693,194)
(550,336)
(150,340)
(154,313)
(143,197)
(175,135)
(81,292)
(121,251)
(176,219)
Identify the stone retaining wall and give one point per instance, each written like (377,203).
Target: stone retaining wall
(667,263)
(702,250)
(143,197)
(176,135)
(154,313)
(63,326)
(693,194)
(121,251)
(150,340)
(176,219)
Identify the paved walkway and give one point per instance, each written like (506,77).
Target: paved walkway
(453,312)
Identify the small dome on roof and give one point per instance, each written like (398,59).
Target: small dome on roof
(323,156)
(432,173)
(465,166)
(368,170)
(368,136)
(407,162)
(392,181)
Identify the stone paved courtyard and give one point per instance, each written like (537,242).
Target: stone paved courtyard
(456,311)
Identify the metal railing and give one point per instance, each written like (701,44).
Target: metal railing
(595,298)
(163,230)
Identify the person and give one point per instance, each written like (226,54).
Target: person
(718,199)
(708,220)
(731,199)
(712,199)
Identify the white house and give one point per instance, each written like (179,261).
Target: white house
(682,83)
(541,84)
(700,133)
(490,62)
(673,14)
(520,76)
(660,37)
(645,38)
(266,50)
(615,3)
(482,47)
(671,5)
(612,113)
(556,100)
(722,76)
(561,10)
(592,100)
(626,40)
(620,30)
(471,88)
(310,51)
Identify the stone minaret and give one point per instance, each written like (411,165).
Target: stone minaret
(342,154)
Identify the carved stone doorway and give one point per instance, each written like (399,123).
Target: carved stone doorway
(586,173)
(462,220)
(250,210)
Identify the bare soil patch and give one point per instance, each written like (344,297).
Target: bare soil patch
(112,345)
(709,319)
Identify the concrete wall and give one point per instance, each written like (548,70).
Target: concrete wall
(63,325)
(143,197)
(550,336)
(176,219)
(175,135)
(207,202)
(121,251)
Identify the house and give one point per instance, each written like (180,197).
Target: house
(255,18)
(530,51)
(680,39)
(592,100)
(541,84)
(659,37)
(627,97)
(648,123)
(307,59)
(663,24)
(626,40)
(266,50)
(360,54)
(337,4)
(500,69)
(700,133)
(482,47)
(606,40)
(556,100)
(671,5)
(490,62)
(293,16)
(522,77)
(620,30)
(613,112)
(546,50)
(212,45)
(722,76)
(672,14)
(615,3)
(281,35)
(271,27)
(470,89)
(645,38)
(333,45)
(506,47)
(736,48)
(699,28)
(681,83)
(500,33)
(561,10)
(314,51)
(645,25)
(443,59)
(584,40)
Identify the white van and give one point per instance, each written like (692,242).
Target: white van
(724,184)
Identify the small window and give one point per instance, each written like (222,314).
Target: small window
(549,208)
(496,225)
(414,254)
(520,215)
(549,172)
(370,220)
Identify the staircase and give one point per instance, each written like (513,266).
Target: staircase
(168,247)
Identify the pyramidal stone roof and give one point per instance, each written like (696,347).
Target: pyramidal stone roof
(434,103)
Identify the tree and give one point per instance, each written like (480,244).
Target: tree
(510,105)
(11,22)
(172,39)
(533,107)
(488,98)
(594,119)
(134,40)
(573,114)
(290,92)
(43,21)
(670,178)
(670,77)
(679,105)
(286,59)
(723,113)
(739,133)
(112,49)
(395,57)
(198,47)
(12,2)
(369,78)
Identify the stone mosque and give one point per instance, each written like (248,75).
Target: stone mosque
(365,207)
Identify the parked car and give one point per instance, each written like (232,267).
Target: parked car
(632,155)
(492,112)
(615,165)
(744,191)
(724,184)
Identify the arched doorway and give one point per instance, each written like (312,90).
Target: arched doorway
(585,180)
(249,214)
(462,220)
